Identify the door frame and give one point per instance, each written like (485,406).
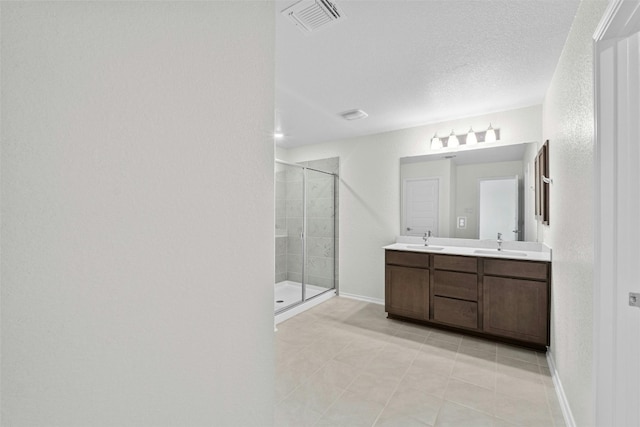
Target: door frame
(403,203)
(614,371)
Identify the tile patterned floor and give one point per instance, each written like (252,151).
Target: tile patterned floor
(343,363)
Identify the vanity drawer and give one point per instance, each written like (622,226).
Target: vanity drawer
(456,285)
(522,269)
(407,259)
(455,312)
(455,263)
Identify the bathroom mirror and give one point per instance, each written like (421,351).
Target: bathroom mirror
(471,194)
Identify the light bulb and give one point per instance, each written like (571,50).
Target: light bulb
(471,137)
(278,135)
(453,140)
(436,143)
(490,136)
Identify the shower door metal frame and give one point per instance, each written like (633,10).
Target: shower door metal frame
(303,234)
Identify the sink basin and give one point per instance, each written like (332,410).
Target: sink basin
(499,253)
(425,248)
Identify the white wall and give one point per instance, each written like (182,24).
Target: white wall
(370,186)
(137,163)
(468,187)
(569,126)
(281,153)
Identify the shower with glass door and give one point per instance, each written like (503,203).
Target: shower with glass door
(305,231)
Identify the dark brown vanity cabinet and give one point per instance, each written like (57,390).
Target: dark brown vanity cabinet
(516,300)
(407,285)
(498,298)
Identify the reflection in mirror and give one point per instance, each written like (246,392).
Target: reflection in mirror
(471,194)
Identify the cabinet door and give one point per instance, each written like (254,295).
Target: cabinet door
(407,292)
(516,308)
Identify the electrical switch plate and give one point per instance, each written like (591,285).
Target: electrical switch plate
(634,299)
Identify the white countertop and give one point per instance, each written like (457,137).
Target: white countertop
(523,251)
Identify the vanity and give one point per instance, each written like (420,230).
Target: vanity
(467,257)
(501,295)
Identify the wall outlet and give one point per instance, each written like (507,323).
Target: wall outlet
(462,222)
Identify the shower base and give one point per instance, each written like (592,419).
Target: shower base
(290,294)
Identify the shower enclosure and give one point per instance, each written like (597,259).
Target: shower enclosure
(305,232)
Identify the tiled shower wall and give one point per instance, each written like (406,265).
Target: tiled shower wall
(322,261)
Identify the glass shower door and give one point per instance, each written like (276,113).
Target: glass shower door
(305,234)
(319,245)
(289,199)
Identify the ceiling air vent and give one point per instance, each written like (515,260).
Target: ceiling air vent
(353,114)
(313,15)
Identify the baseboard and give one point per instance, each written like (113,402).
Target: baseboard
(362,298)
(317,300)
(562,398)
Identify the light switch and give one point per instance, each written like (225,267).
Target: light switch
(634,299)
(462,222)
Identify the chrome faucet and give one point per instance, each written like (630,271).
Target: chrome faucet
(426,237)
(499,241)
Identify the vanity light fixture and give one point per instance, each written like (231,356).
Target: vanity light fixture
(436,143)
(278,135)
(490,136)
(471,137)
(453,140)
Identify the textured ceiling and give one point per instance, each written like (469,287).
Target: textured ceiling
(408,63)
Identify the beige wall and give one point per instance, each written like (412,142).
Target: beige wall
(136,165)
(370,187)
(568,124)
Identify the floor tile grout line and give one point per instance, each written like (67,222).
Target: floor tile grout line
(387,337)
(330,406)
(310,375)
(546,393)
(400,382)
(344,390)
(495,387)
(435,422)
(467,382)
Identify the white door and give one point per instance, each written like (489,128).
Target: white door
(498,211)
(421,206)
(617,216)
